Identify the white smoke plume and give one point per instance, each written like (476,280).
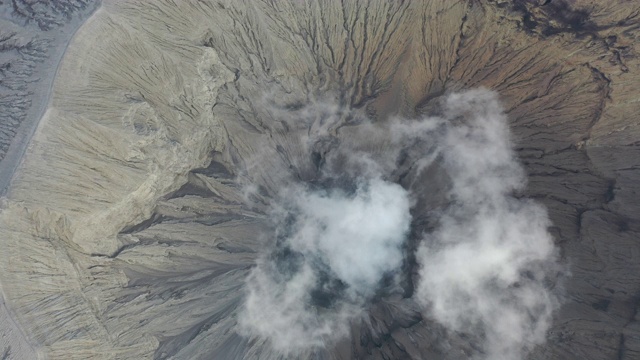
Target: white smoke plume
(484,267)
(353,238)
(482,270)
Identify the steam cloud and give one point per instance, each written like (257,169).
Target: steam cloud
(337,245)
(484,267)
(341,241)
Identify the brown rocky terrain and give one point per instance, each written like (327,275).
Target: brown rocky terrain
(127,231)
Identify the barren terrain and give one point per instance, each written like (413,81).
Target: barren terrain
(127,232)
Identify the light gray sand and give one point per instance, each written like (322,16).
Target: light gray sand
(31,57)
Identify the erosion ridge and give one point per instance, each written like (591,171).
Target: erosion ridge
(128,210)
